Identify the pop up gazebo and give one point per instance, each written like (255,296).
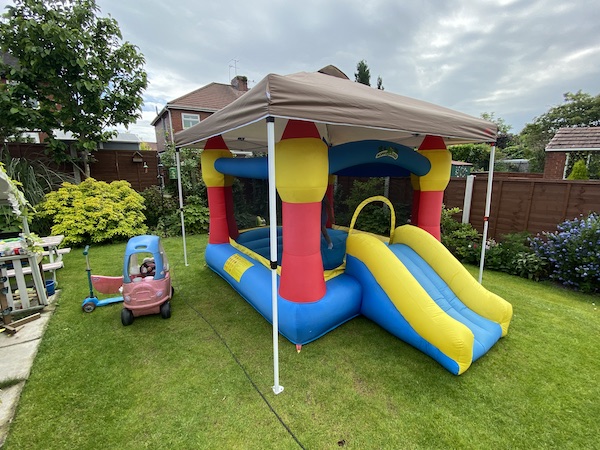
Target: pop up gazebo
(314,125)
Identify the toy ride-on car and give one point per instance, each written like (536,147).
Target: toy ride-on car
(146,279)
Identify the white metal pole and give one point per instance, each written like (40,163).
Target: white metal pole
(273,246)
(180,192)
(486,217)
(466,216)
(181,205)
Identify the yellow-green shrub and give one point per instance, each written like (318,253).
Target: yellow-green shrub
(94,211)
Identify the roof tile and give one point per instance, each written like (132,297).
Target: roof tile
(212,97)
(575,138)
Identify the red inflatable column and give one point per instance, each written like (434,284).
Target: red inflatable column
(433,184)
(302,166)
(218,189)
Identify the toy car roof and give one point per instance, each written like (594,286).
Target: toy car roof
(143,244)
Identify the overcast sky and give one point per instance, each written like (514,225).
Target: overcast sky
(515,58)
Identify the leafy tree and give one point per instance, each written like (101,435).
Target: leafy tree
(503,127)
(476,154)
(505,138)
(189,159)
(578,110)
(363,74)
(72,73)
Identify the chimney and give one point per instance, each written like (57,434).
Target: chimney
(240,83)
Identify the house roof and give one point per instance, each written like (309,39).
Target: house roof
(209,98)
(121,137)
(575,139)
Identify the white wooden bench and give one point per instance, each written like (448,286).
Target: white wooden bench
(20,265)
(47,267)
(59,251)
(55,256)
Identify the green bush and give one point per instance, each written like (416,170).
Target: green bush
(579,172)
(157,205)
(360,191)
(529,265)
(195,216)
(461,239)
(9,222)
(189,168)
(94,211)
(374,218)
(512,254)
(501,255)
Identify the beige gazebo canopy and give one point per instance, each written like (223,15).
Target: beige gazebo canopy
(345,111)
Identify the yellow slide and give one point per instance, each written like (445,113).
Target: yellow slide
(418,291)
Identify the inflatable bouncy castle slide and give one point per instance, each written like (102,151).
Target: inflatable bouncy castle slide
(410,285)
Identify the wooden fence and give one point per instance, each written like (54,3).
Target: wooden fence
(520,202)
(107,165)
(525,203)
(112,165)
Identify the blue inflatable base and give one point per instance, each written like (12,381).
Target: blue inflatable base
(300,323)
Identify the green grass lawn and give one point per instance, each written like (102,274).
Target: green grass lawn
(174,384)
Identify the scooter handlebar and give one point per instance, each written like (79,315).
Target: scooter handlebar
(86,250)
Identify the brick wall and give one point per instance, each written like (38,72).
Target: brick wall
(554,166)
(163,124)
(177,121)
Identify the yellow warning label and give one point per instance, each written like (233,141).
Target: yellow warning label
(236,265)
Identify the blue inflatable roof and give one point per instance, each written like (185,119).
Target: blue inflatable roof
(363,158)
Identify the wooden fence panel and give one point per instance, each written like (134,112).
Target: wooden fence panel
(547,207)
(112,165)
(583,198)
(107,165)
(36,152)
(510,206)
(525,204)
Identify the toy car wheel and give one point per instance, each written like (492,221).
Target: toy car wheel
(88,307)
(165,310)
(126,317)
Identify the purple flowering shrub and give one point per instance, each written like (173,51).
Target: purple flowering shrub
(573,252)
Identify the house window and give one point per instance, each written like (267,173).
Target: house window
(189,120)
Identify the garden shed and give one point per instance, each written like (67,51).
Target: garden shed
(570,145)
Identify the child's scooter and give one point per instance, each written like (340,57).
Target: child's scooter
(103,284)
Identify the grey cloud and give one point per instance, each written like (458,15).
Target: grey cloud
(514,58)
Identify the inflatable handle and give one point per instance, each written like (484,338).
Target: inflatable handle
(86,250)
(377,198)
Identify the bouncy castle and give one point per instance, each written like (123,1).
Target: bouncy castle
(322,126)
